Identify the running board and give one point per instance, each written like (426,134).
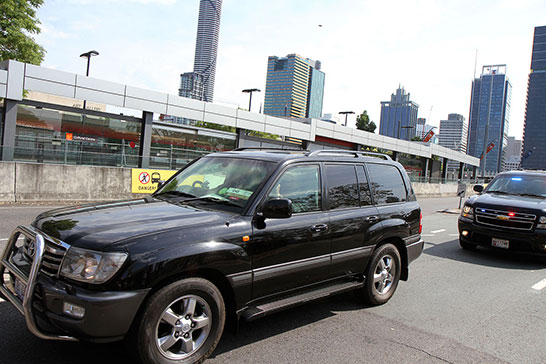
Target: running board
(256,312)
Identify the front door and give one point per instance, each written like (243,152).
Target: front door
(293,252)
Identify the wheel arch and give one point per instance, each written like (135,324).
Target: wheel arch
(401,247)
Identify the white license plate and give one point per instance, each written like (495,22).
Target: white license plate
(20,289)
(500,243)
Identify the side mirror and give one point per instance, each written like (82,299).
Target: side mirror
(277,208)
(478,188)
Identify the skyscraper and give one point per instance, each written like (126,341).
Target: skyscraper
(534,130)
(453,135)
(398,116)
(489,117)
(206,49)
(294,87)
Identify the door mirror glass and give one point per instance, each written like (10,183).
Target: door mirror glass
(277,208)
(478,188)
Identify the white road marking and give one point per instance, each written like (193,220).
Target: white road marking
(453,234)
(540,285)
(438,231)
(4,239)
(427,234)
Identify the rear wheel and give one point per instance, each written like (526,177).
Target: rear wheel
(382,275)
(181,323)
(466,245)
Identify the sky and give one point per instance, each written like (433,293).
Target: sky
(367,48)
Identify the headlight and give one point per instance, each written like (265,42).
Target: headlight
(467,212)
(542,223)
(90,266)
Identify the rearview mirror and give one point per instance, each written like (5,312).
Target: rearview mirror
(478,188)
(277,208)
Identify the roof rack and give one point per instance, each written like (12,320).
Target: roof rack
(355,153)
(267,148)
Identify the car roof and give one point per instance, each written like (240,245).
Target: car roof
(525,172)
(281,155)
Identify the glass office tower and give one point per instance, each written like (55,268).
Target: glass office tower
(294,87)
(489,117)
(534,132)
(399,116)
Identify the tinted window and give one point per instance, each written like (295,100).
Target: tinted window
(342,186)
(363,187)
(387,184)
(301,185)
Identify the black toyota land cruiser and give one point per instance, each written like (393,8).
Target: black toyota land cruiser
(234,235)
(509,214)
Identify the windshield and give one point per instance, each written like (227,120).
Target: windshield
(218,181)
(518,185)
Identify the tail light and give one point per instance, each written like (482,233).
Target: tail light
(420,223)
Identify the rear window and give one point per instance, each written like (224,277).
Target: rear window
(387,184)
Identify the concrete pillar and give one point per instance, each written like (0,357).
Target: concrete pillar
(239,137)
(8,134)
(426,170)
(395,155)
(145,139)
(356,146)
(461,171)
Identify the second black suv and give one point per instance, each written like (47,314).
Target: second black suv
(233,235)
(510,214)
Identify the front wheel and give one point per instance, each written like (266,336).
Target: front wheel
(382,275)
(181,323)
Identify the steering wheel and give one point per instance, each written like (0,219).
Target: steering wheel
(197,184)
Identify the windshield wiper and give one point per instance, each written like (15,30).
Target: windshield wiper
(530,195)
(211,199)
(500,192)
(175,192)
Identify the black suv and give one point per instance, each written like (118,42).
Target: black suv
(509,214)
(234,235)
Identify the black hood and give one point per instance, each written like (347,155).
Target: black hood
(97,226)
(517,203)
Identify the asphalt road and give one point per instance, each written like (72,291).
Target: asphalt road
(457,307)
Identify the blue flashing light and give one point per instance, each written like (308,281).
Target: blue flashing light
(516,178)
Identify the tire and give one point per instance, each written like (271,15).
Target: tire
(467,246)
(181,323)
(382,275)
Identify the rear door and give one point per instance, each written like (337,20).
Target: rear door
(353,219)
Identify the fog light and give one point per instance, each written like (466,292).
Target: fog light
(464,233)
(73,310)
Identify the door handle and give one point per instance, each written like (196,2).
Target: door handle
(319,227)
(372,219)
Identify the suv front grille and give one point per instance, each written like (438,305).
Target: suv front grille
(52,259)
(504,219)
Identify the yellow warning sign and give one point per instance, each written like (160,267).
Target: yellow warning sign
(147,180)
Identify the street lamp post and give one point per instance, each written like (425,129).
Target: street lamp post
(346,113)
(250,91)
(88,55)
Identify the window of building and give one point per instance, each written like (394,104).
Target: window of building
(342,186)
(363,187)
(53,136)
(174,147)
(387,184)
(300,184)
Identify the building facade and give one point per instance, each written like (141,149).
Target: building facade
(534,132)
(294,87)
(453,135)
(399,116)
(489,118)
(512,154)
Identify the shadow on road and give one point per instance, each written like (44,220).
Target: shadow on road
(16,339)
(485,257)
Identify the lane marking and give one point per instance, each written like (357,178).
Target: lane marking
(4,239)
(540,285)
(427,234)
(453,234)
(438,231)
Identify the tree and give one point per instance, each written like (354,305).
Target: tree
(363,122)
(17,23)
(416,139)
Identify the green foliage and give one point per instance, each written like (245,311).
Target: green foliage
(260,134)
(204,124)
(17,23)
(363,122)
(416,139)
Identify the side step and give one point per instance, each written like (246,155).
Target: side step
(256,312)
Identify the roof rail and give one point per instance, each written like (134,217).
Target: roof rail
(355,153)
(267,148)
